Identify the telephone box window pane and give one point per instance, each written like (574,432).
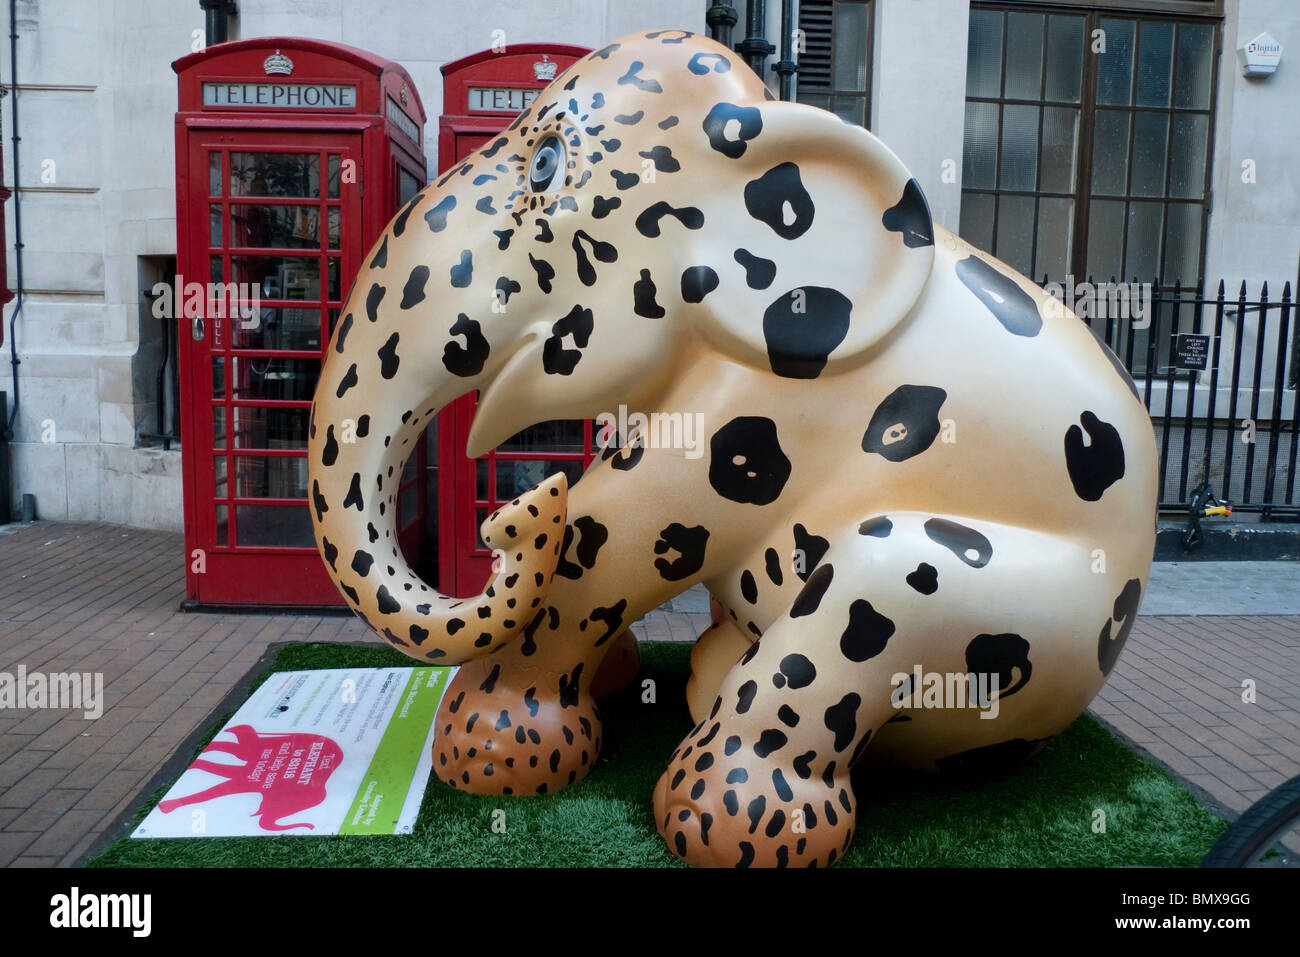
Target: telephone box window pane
(984,54)
(276,227)
(1150,140)
(335,283)
(261,428)
(280,277)
(480,516)
(279,477)
(279,327)
(1024,56)
(335,216)
(275,174)
(274,377)
(214,174)
(407,186)
(219,476)
(214,269)
(1064,58)
(214,225)
(1195,66)
(1187,157)
(334,176)
(219,426)
(218,378)
(1110,153)
(516,476)
(1115,66)
(223,525)
(274,526)
(555,436)
(332,317)
(408,502)
(1155,63)
(481,480)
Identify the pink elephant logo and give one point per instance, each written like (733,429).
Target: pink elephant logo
(289,771)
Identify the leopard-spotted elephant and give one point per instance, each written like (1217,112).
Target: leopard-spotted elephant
(909,459)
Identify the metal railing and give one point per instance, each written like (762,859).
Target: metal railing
(1218,376)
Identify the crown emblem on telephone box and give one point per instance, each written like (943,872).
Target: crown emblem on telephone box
(545,68)
(277,62)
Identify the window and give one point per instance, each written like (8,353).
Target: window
(835,57)
(1087,144)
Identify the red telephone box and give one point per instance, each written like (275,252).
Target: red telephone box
(291,157)
(482,94)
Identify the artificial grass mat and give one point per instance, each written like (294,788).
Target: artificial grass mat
(1039,815)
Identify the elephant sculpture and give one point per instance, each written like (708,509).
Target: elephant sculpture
(915,463)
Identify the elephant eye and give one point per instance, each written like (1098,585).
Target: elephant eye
(547,170)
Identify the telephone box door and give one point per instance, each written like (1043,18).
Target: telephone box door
(282,234)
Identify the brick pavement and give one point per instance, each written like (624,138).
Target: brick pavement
(104,598)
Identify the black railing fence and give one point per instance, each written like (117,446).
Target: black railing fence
(1219,377)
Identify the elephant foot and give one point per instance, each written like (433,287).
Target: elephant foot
(495,737)
(619,668)
(718,806)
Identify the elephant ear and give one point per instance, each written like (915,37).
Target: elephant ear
(834,237)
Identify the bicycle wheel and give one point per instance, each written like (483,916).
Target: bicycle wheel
(1259,829)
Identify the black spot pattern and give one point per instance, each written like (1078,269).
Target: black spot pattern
(747,463)
(389,360)
(663,159)
(1002,655)
(961,541)
(842,720)
(342,334)
(545,273)
(810,596)
(602,207)
(925,579)
(556,359)
(767,198)
(911,217)
(802,328)
(1098,465)
(750,122)
(867,633)
(772,565)
(699,63)
(466,360)
(647,224)
(604,252)
(462,274)
(376,295)
(1125,610)
(591,535)
(643,298)
(437,217)
(1002,296)
(798,670)
(698,282)
(413,291)
(906,423)
(689,543)
(878,527)
(644,84)
(812,547)
(759,272)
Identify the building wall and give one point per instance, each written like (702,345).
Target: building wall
(97,98)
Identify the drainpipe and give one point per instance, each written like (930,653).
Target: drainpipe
(755,47)
(786,67)
(721,17)
(18,220)
(215,22)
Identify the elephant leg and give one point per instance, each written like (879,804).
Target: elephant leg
(718,649)
(764,779)
(523,720)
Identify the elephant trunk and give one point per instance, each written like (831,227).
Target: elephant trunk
(374,398)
